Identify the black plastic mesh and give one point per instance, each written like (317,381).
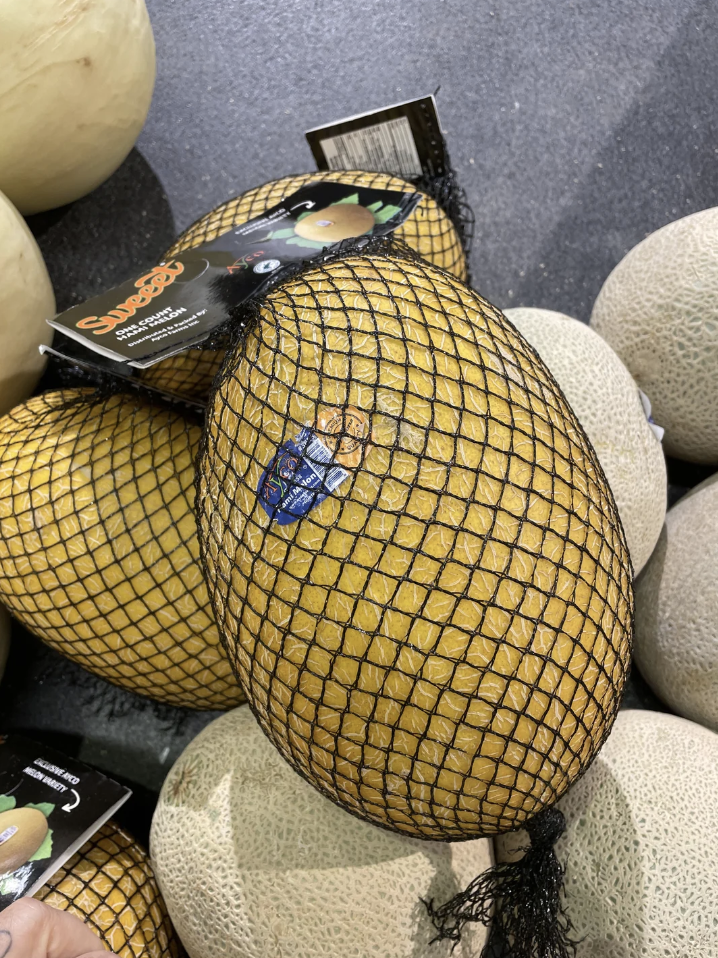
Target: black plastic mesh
(110,885)
(439,645)
(428,231)
(98,543)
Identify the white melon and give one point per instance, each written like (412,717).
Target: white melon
(676,639)
(5,626)
(76,80)
(659,310)
(640,850)
(26,301)
(253,862)
(607,402)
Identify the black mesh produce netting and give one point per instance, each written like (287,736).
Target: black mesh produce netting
(98,543)
(414,557)
(109,884)
(440,230)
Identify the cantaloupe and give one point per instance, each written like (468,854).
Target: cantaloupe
(98,544)
(254,863)
(659,310)
(26,301)
(440,643)
(607,402)
(5,629)
(428,230)
(642,865)
(110,885)
(76,81)
(677,608)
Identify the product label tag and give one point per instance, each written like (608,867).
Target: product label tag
(306,469)
(658,431)
(182,301)
(404,139)
(50,805)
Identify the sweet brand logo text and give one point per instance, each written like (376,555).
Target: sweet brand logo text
(150,285)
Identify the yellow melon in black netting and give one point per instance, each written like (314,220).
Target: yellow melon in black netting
(428,230)
(414,557)
(98,544)
(109,884)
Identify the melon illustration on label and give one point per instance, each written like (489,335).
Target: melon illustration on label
(335,223)
(237,833)
(98,544)
(677,608)
(659,311)
(25,835)
(428,230)
(439,641)
(609,406)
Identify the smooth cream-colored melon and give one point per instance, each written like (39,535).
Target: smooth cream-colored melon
(5,629)
(428,230)
(441,643)
(659,310)
(98,544)
(26,301)
(607,402)
(254,863)
(640,849)
(110,885)
(76,80)
(677,608)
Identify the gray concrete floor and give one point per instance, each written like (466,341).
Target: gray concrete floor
(576,129)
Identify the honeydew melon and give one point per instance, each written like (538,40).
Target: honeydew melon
(26,301)
(76,79)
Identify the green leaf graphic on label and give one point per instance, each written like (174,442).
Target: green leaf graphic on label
(307,244)
(375,206)
(386,214)
(354,198)
(282,234)
(45,807)
(302,215)
(45,850)
(7,802)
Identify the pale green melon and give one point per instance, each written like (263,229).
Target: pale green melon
(254,863)
(676,639)
(640,849)
(26,301)
(659,310)
(608,404)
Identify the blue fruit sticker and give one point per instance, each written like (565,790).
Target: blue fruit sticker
(308,468)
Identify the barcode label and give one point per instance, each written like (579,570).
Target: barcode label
(386,147)
(317,453)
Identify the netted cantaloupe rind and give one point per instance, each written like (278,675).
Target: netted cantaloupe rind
(441,644)
(109,884)
(98,544)
(428,231)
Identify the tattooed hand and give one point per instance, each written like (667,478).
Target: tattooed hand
(32,929)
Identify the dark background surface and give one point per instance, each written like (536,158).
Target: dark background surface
(576,128)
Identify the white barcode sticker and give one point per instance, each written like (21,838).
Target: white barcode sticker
(404,139)
(386,147)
